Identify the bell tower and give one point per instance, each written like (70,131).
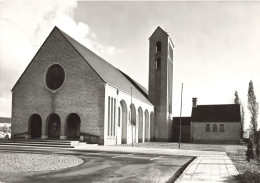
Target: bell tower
(160,83)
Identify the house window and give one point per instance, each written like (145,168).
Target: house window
(158,47)
(221,128)
(215,128)
(208,128)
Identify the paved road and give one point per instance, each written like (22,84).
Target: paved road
(106,167)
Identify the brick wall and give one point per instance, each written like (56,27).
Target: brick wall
(231,134)
(160,86)
(82,92)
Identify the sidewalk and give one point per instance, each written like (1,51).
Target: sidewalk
(209,168)
(145,150)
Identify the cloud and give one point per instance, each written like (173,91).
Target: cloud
(25,26)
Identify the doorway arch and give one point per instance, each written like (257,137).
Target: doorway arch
(124,122)
(53,126)
(147,126)
(152,127)
(73,126)
(35,126)
(140,125)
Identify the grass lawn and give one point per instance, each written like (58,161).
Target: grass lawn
(249,172)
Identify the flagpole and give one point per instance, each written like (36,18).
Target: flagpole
(180,117)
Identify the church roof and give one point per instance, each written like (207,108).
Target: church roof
(108,72)
(216,113)
(5,120)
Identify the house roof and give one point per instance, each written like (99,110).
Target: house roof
(5,120)
(108,72)
(216,113)
(184,121)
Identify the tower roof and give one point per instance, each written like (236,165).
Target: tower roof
(159,29)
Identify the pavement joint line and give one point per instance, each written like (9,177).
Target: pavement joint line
(156,158)
(96,153)
(124,155)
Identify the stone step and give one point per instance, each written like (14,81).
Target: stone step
(37,142)
(41,140)
(42,143)
(34,145)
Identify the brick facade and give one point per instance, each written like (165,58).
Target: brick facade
(160,84)
(82,92)
(231,134)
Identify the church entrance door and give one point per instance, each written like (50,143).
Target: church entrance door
(54,126)
(73,126)
(35,126)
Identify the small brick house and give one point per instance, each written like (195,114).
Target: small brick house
(68,92)
(215,124)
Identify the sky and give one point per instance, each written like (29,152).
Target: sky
(216,44)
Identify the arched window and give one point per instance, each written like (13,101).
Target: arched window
(215,128)
(221,128)
(208,128)
(158,47)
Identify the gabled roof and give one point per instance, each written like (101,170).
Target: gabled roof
(160,29)
(108,72)
(216,113)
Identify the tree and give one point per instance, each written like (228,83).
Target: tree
(242,121)
(252,107)
(236,100)
(242,112)
(5,129)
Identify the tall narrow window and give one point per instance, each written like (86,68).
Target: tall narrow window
(221,128)
(158,64)
(170,52)
(108,127)
(119,117)
(112,118)
(158,47)
(208,128)
(114,125)
(215,128)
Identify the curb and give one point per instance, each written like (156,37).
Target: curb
(179,172)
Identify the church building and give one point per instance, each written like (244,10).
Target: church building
(68,92)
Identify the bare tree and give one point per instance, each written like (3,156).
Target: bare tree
(252,107)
